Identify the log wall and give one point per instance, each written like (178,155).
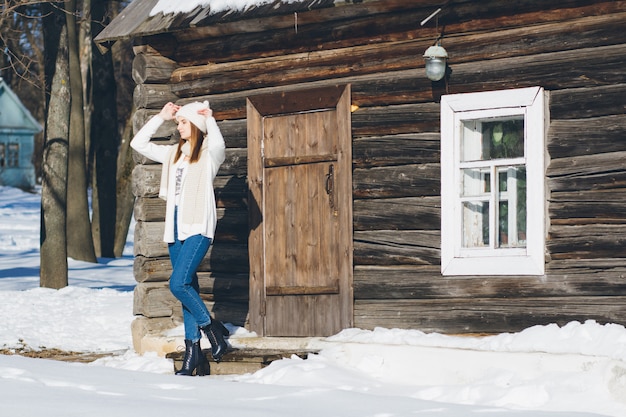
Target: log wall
(576,50)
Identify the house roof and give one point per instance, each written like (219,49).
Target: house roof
(13,115)
(137,20)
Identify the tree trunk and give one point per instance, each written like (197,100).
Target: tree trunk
(122,52)
(53,251)
(125,197)
(104,142)
(79,240)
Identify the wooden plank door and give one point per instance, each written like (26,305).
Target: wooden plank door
(300,179)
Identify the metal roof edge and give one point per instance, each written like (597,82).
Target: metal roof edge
(137,12)
(142,24)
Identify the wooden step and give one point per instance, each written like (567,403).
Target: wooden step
(242,361)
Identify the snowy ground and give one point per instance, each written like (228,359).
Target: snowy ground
(576,370)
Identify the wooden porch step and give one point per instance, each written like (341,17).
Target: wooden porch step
(242,361)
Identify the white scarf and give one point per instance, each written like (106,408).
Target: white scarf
(194,189)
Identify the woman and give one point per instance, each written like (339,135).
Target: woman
(189,169)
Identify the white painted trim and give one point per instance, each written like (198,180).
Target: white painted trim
(488,100)
(530,102)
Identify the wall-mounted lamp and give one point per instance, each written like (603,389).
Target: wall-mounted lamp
(436,59)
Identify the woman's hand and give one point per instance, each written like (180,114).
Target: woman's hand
(169,111)
(206,112)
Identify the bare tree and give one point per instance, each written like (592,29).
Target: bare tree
(79,239)
(21,41)
(122,53)
(53,252)
(125,198)
(22,57)
(105,140)
(28,57)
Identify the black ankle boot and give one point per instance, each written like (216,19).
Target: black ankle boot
(215,332)
(194,360)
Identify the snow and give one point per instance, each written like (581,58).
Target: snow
(544,371)
(216,6)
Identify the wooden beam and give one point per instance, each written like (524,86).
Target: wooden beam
(384,23)
(479,315)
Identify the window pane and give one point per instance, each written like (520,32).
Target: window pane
(475,224)
(14,155)
(492,139)
(512,207)
(476,182)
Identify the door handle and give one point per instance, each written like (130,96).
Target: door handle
(330,186)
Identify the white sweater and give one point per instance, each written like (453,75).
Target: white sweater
(159,153)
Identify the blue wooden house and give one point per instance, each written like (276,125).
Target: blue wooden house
(17,140)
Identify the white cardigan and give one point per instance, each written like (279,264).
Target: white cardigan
(158,153)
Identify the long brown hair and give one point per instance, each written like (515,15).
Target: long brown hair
(195,141)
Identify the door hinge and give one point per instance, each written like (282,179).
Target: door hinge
(263,304)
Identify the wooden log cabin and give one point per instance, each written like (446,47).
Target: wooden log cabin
(356,192)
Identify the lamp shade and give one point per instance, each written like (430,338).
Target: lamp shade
(435,58)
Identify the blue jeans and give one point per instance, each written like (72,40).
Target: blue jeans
(186,256)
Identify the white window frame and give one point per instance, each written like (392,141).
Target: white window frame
(531,103)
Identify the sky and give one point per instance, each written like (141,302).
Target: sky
(577,370)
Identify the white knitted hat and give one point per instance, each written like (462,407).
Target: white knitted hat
(190,112)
